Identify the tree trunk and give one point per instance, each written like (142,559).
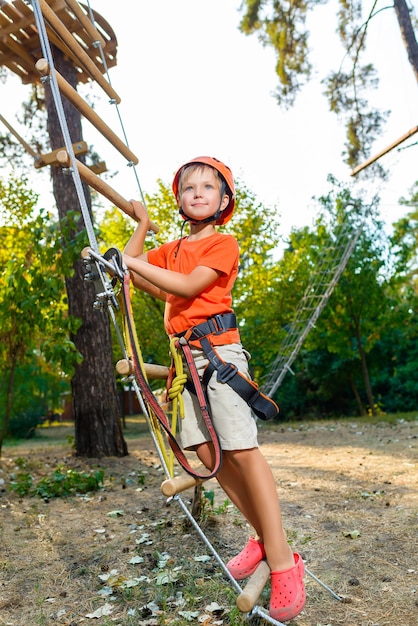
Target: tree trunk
(361,409)
(407,33)
(365,371)
(96,406)
(9,402)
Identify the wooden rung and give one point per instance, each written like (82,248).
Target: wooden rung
(101,186)
(82,56)
(171,486)
(125,367)
(252,590)
(85,21)
(76,100)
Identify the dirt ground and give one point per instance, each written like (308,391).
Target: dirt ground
(123,556)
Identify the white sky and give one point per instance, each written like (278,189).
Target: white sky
(192,84)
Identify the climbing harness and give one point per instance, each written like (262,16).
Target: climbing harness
(265,408)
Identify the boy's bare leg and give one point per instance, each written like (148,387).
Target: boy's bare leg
(231,482)
(246,478)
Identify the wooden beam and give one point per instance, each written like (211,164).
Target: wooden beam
(172,486)
(101,186)
(41,160)
(18,28)
(375,158)
(27,147)
(76,100)
(51,157)
(99,167)
(82,57)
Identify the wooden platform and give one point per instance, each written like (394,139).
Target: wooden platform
(19,40)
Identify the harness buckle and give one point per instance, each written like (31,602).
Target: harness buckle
(197,333)
(219,324)
(225,372)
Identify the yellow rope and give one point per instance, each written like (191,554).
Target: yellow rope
(167,455)
(177,386)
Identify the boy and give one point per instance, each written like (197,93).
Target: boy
(194,276)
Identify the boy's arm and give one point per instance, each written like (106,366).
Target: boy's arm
(135,245)
(145,285)
(135,248)
(178,284)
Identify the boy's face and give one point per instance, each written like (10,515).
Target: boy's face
(200,195)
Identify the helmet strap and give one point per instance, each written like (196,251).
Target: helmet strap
(181,235)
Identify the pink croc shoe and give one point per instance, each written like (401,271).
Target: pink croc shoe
(245,563)
(288,595)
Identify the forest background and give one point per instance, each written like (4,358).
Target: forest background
(365,340)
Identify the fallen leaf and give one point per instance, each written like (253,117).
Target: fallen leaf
(163,559)
(133,582)
(203,558)
(352,534)
(214,607)
(116,513)
(105,591)
(163,578)
(106,609)
(189,615)
(136,559)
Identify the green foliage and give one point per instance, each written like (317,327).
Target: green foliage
(368,323)
(23,425)
(283,29)
(363,343)
(21,483)
(36,355)
(281,24)
(362,352)
(63,482)
(208,504)
(67,482)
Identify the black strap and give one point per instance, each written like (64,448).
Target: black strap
(215,325)
(263,406)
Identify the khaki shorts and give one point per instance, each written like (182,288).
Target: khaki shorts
(231,415)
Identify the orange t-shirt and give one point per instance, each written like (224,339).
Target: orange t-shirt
(219,252)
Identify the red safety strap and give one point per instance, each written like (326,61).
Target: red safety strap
(202,400)
(152,401)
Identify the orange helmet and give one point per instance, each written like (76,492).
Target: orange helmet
(227,177)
